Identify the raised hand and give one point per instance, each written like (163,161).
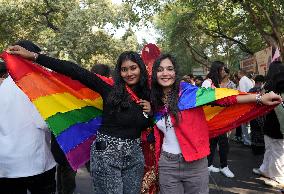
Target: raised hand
(18,50)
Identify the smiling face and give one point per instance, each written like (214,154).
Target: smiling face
(166,74)
(130,72)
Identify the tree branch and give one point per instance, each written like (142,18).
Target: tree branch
(269,39)
(49,11)
(197,56)
(219,34)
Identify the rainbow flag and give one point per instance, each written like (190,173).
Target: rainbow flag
(220,119)
(71,110)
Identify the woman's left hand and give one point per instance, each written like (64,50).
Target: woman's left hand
(18,50)
(271,99)
(145,105)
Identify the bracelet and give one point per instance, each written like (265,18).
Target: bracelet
(35,55)
(258,99)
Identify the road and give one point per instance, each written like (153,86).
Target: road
(241,162)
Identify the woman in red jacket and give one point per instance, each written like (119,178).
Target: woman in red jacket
(181,131)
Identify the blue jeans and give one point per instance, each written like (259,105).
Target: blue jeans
(246,133)
(117,168)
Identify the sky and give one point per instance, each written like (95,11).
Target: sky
(147,33)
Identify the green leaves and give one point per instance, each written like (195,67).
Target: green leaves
(70,29)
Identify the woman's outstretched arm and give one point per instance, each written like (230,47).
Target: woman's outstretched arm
(67,68)
(267,99)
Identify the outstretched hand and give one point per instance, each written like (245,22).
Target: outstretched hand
(18,50)
(271,99)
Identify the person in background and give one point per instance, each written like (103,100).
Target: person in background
(238,134)
(65,175)
(257,133)
(245,84)
(251,76)
(181,136)
(216,75)
(272,166)
(189,78)
(226,82)
(26,162)
(101,69)
(198,80)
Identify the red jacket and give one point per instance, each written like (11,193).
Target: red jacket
(192,134)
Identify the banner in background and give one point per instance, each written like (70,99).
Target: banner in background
(263,59)
(249,65)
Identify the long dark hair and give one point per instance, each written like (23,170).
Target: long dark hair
(119,97)
(157,93)
(214,73)
(275,77)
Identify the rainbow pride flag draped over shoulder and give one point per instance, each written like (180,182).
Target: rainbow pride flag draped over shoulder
(71,110)
(220,119)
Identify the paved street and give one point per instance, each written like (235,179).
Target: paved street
(241,162)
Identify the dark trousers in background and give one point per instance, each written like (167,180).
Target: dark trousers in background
(238,132)
(39,184)
(222,141)
(66,179)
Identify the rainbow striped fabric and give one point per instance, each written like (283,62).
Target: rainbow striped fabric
(71,110)
(220,119)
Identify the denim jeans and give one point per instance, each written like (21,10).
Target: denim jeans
(246,133)
(117,169)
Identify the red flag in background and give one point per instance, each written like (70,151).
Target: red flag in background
(150,53)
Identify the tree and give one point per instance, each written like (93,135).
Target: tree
(227,30)
(69,29)
(268,19)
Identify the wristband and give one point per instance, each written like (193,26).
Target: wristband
(258,99)
(35,55)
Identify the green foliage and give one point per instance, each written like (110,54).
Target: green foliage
(227,30)
(196,31)
(70,29)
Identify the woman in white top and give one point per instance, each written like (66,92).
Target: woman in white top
(214,79)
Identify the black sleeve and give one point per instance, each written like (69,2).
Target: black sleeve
(76,72)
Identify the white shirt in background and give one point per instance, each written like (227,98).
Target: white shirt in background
(245,84)
(24,136)
(207,83)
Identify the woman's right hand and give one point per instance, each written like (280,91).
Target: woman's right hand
(146,106)
(18,50)
(271,99)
